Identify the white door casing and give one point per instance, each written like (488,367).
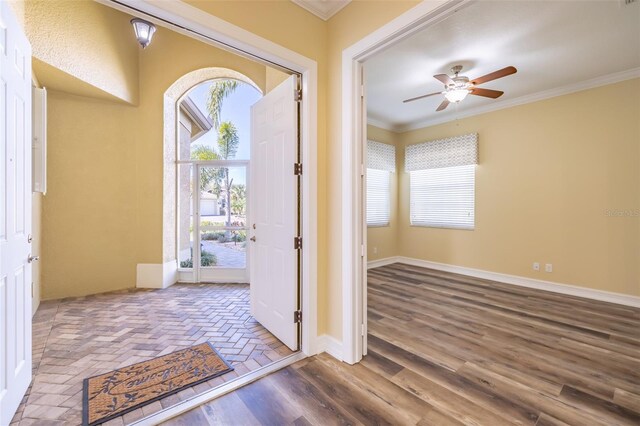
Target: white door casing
(274,216)
(15,214)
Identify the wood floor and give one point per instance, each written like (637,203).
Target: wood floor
(445,349)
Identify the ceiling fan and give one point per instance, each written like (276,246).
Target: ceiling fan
(457,88)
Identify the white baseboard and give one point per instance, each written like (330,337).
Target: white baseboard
(588,293)
(382,262)
(330,345)
(157,275)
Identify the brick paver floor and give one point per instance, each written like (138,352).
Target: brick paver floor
(81,337)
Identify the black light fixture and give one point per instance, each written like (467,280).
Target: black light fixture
(144,31)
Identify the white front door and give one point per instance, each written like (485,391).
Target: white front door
(274,212)
(15,214)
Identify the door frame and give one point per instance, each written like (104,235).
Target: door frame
(353,148)
(198,24)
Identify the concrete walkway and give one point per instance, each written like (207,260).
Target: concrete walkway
(227,257)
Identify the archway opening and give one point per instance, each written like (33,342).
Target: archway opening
(213,152)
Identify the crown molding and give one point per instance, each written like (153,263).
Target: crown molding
(534,97)
(381,124)
(323,9)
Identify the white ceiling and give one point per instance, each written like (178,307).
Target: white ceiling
(557,47)
(324,9)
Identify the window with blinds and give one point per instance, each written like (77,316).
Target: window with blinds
(381,162)
(378,205)
(443,198)
(442,182)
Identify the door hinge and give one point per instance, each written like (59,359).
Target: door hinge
(361,250)
(297,243)
(362,330)
(297,95)
(297,169)
(297,317)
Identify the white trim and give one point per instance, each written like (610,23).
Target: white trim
(223,389)
(526,99)
(156,275)
(226,276)
(186,16)
(381,124)
(330,345)
(353,280)
(560,288)
(322,9)
(382,262)
(193,112)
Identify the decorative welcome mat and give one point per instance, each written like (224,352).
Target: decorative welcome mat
(115,393)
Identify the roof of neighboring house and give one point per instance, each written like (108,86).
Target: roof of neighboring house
(201,121)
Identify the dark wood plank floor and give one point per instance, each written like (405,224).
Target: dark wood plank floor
(446,349)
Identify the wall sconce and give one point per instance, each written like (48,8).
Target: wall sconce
(144,31)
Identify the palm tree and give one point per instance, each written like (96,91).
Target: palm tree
(218,91)
(228,142)
(239,199)
(208,175)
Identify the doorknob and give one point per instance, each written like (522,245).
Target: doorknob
(253,239)
(32,258)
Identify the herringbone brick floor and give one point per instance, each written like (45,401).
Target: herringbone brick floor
(81,337)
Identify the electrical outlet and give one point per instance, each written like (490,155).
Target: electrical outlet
(536,266)
(548,267)
(375,250)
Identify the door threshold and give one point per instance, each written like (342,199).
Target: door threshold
(223,389)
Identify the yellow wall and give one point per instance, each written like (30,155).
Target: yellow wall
(83,41)
(548,173)
(102,214)
(89,211)
(384,239)
(350,25)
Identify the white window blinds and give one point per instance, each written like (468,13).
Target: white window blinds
(378,205)
(442,182)
(381,162)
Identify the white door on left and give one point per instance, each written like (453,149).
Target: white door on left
(15,213)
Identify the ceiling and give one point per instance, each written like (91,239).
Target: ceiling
(323,9)
(557,46)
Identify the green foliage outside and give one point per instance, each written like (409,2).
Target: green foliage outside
(206,259)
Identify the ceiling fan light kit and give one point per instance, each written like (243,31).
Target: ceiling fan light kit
(457,88)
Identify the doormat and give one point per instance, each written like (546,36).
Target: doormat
(115,393)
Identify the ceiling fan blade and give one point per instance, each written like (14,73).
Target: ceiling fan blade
(495,75)
(487,93)
(420,97)
(443,105)
(445,79)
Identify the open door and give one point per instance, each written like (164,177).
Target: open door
(274,212)
(15,214)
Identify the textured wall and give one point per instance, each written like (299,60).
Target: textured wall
(86,41)
(103,213)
